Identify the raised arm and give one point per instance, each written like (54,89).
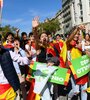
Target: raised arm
(73,33)
(35,24)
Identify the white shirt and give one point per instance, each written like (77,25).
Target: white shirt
(18,59)
(32,50)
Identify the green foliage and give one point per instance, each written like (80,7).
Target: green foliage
(49,26)
(7,28)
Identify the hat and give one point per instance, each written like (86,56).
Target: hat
(55,60)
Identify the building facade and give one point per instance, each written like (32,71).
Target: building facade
(73,13)
(59,16)
(80,13)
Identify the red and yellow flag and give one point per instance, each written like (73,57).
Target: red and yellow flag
(62,50)
(50,50)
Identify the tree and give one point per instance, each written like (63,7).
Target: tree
(7,28)
(50,26)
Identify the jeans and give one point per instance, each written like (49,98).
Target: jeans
(76,89)
(46,94)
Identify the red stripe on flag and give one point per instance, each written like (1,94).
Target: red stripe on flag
(75,76)
(69,63)
(69,71)
(65,83)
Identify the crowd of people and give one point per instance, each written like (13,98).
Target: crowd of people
(17,54)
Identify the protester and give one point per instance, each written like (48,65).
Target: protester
(9,40)
(20,69)
(76,52)
(9,82)
(30,46)
(23,40)
(45,49)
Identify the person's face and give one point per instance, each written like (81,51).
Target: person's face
(75,37)
(50,38)
(80,37)
(32,38)
(16,44)
(24,37)
(87,37)
(10,38)
(29,42)
(44,38)
(58,38)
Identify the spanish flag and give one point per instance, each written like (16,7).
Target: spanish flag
(50,49)
(31,94)
(63,54)
(75,53)
(7,92)
(62,50)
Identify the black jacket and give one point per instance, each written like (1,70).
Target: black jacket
(8,69)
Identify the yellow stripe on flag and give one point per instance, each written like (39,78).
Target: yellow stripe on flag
(8,95)
(63,53)
(67,77)
(37,97)
(72,69)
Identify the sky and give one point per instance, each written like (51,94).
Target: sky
(19,13)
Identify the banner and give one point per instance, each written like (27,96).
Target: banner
(80,66)
(42,75)
(60,76)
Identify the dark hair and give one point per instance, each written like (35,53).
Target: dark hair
(48,33)
(44,32)
(23,33)
(58,35)
(9,33)
(87,34)
(17,39)
(30,34)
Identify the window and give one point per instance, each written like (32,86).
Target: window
(81,19)
(79,1)
(81,6)
(81,12)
